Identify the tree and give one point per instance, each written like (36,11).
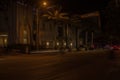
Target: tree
(57,18)
(55,14)
(76,21)
(90,29)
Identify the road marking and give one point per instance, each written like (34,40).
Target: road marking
(45,51)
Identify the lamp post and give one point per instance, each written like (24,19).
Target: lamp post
(44,3)
(39,11)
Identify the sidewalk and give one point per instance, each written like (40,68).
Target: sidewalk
(45,51)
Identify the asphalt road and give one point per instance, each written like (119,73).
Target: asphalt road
(68,66)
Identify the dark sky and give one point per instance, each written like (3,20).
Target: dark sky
(77,6)
(82,6)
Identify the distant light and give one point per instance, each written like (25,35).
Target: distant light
(47,43)
(64,44)
(5,41)
(44,3)
(3,35)
(25,40)
(25,32)
(57,43)
(71,44)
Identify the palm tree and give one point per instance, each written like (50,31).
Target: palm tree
(56,14)
(76,21)
(57,18)
(90,27)
(28,24)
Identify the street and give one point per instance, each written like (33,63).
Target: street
(68,66)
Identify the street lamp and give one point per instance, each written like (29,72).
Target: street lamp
(44,3)
(39,11)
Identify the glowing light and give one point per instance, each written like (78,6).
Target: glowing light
(57,43)
(64,44)
(5,40)
(3,35)
(47,43)
(25,32)
(44,3)
(25,40)
(71,44)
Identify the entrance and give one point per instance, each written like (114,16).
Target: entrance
(3,41)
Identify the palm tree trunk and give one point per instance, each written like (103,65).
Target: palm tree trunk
(77,46)
(37,29)
(86,37)
(92,36)
(30,33)
(66,30)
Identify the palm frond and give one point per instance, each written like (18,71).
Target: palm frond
(50,13)
(45,15)
(56,13)
(64,14)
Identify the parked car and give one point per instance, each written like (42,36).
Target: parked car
(115,47)
(112,47)
(108,47)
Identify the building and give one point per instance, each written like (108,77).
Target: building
(24,25)
(112,21)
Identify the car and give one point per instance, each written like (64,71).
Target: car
(115,47)
(108,47)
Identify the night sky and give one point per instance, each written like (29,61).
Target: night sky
(76,6)
(81,6)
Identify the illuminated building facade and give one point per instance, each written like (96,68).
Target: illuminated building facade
(25,26)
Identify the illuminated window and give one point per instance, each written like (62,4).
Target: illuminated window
(25,40)
(64,44)
(1,42)
(71,44)
(5,40)
(47,43)
(25,37)
(57,43)
(25,33)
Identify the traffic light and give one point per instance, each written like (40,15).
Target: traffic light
(60,31)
